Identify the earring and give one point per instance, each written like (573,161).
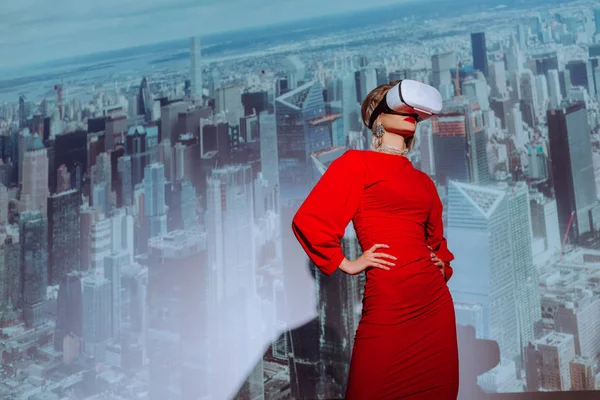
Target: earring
(379,131)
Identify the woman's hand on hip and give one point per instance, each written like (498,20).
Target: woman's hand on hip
(370,258)
(439,263)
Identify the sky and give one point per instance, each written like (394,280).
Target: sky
(33,31)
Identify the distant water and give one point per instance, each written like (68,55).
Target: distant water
(39,79)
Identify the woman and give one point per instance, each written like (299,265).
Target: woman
(405,345)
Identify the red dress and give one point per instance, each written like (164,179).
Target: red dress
(405,345)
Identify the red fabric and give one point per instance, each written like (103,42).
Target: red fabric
(405,345)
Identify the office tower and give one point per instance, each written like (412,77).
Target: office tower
(580,73)
(183,208)
(479,51)
(165,153)
(441,64)
(529,314)
(136,148)
(537,162)
(459,144)
(573,169)
(548,362)
(101,183)
(145,102)
(554,89)
(298,138)
(498,75)
(597,19)
(33,229)
(582,374)
(11,283)
(122,227)
(69,319)
(544,221)
(3,204)
(195,67)
(343,88)
(113,265)
(100,243)
(367,79)
(34,190)
(255,102)
(541,84)
(425,138)
(125,194)
(169,119)
(576,315)
(477,90)
(96,316)
(228,101)
(269,154)
(294,71)
(479,232)
(181,349)
(63,179)
(23,114)
(514,125)
(522,36)
(514,56)
(64,227)
(154,199)
(529,98)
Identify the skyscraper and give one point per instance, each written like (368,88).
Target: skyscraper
(154,199)
(459,144)
(34,191)
(298,138)
(479,235)
(97,315)
(179,346)
(34,261)
(479,50)
(64,226)
(195,67)
(573,169)
(529,310)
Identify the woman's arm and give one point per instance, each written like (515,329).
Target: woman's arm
(321,220)
(435,233)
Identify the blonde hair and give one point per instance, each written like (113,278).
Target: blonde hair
(371,101)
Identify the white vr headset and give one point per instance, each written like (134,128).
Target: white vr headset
(410,98)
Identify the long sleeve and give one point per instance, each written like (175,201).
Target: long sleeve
(321,220)
(435,233)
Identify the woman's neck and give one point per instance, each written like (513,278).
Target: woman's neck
(394,140)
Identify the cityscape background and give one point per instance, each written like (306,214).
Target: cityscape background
(153,154)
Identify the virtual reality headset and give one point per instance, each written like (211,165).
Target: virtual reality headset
(410,98)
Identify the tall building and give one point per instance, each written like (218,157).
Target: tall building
(34,260)
(195,67)
(554,89)
(97,315)
(529,310)
(298,138)
(154,199)
(269,155)
(34,190)
(582,374)
(548,362)
(64,226)
(180,349)
(100,243)
(479,233)
(479,50)
(573,169)
(113,267)
(459,144)
(69,319)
